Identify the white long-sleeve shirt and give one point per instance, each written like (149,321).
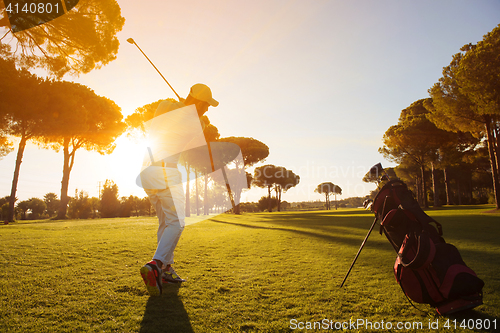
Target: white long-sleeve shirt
(174,129)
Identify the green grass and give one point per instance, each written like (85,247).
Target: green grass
(249,273)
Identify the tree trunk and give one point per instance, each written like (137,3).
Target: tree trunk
(237,193)
(69,159)
(459,192)
(205,196)
(470,191)
(270,207)
(12,199)
(496,131)
(435,187)
(197,194)
(187,208)
(279,199)
(493,161)
(447,186)
(277,189)
(418,190)
(424,186)
(237,197)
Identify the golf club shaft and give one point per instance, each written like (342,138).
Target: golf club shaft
(178,97)
(359,251)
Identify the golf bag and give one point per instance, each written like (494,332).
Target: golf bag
(428,269)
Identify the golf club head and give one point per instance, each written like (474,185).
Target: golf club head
(374,174)
(367,204)
(131,41)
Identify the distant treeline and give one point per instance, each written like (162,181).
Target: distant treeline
(81,206)
(263,204)
(109,205)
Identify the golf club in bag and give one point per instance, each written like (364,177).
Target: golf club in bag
(231,198)
(428,269)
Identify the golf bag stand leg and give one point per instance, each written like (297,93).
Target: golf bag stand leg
(359,251)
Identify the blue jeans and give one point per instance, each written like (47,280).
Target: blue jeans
(169,205)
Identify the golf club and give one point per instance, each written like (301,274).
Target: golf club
(132,41)
(375,174)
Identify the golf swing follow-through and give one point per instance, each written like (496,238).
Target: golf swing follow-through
(132,41)
(175,128)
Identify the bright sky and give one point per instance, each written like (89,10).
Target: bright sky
(319,82)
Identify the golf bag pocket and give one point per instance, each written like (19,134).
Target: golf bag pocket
(456,279)
(419,285)
(435,273)
(413,272)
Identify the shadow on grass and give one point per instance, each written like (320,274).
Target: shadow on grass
(28,222)
(327,236)
(50,221)
(323,220)
(480,229)
(55,221)
(166,313)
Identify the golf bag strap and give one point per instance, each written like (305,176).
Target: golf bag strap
(424,254)
(387,218)
(399,278)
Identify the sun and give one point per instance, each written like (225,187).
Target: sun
(124,164)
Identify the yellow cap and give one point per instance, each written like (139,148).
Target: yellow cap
(203,93)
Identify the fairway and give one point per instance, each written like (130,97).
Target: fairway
(261,272)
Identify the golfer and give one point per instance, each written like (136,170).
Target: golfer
(176,127)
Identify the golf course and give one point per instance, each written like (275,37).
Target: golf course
(249,166)
(259,272)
